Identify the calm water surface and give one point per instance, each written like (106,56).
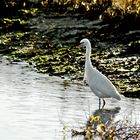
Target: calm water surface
(35,106)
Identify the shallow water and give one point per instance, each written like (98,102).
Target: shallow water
(34,106)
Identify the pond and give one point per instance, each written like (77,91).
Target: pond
(36,106)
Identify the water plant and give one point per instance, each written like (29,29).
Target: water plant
(97,129)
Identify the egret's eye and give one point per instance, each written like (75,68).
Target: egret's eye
(82,43)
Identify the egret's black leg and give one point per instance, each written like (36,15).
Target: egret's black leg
(99,103)
(103,103)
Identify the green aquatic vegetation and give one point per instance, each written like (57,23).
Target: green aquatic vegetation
(19,34)
(39,58)
(12,23)
(31,11)
(24,52)
(58,63)
(4,39)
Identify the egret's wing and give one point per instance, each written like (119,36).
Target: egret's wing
(101,83)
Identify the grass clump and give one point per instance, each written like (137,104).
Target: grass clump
(96,128)
(128,6)
(81,6)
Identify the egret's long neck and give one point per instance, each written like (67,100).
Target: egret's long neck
(88,53)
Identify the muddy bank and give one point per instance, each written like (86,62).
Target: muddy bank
(49,41)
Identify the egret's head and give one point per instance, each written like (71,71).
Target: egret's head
(85,42)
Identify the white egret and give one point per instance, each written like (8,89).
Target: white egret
(99,83)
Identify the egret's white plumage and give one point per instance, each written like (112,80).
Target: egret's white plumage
(99,83)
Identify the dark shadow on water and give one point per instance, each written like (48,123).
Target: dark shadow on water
(107,115)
